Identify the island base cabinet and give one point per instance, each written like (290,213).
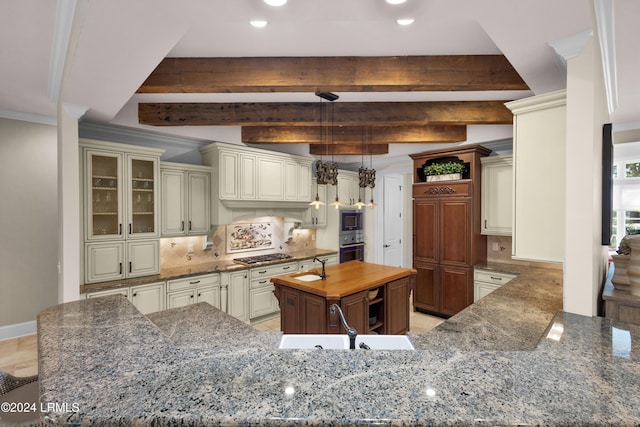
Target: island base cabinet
(397,307)
(301,313)
(356,310)
(305,313)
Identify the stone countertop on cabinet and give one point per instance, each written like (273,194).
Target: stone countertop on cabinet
(513,317)
(195,366)
(189,270)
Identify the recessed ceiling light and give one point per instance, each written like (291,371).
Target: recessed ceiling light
(258,23)
(394,1)
(405,21)
(279,2)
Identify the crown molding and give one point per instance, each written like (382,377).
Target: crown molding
(139,137)
(569,47)
(75,111)
(606,34)
(29,117)
(538,102)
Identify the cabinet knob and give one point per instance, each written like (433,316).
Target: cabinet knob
(135,295)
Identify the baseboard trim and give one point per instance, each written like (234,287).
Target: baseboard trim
(17,330)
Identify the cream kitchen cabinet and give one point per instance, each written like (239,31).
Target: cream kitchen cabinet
(317,218)
(237,283)
(120,191)
(539,165)
(497,195)
(297,181)
(262,301)
(310,264)
(255,179)
(348,187)
(185,200)
(270,176)
(147,298)
(120,199)
(487,281)
(105,261)
(195,289)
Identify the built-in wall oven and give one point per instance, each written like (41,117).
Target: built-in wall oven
(351,236)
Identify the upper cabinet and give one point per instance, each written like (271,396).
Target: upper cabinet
(120,196)
(121,214)
(539,161)
(186,199)
(348,187)
(247,178)
(497,195)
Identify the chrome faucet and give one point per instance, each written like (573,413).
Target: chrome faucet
(323,275)
(351,332)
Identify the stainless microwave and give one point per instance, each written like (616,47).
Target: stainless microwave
(350,220)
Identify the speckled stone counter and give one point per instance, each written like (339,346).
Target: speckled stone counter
(177,368)
(513,317)
(196,269)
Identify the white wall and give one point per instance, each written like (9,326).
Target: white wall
(29,220)
(586,112)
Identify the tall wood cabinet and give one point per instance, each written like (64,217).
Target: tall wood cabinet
(447,239)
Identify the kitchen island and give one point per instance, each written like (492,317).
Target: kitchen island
(196,366)
(373,297)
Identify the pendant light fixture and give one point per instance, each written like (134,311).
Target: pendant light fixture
(333,169)
(319,165)
(362,174)
(371,175)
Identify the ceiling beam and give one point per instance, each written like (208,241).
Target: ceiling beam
(347,149)
(333,73)
(308,114)
(353,134)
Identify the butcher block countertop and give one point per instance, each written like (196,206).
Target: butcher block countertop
(510,359)
(345,279)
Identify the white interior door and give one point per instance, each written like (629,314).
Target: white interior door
(392,223)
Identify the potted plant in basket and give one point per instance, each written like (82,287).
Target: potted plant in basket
(444,171)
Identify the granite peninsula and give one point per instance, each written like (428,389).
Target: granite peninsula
(512,358)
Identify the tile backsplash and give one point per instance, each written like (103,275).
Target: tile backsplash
(499,249)
(178,251)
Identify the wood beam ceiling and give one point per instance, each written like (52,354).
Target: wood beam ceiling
(298,123)
(346,149)
(308,114)
(353,134)
(335,74)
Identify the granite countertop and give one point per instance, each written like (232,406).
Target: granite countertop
(197,366)
(196,269)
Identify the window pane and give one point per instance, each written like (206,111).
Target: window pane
(632,170)
(614,171)
(632,222)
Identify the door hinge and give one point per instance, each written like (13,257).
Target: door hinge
(400,241)
(400,187)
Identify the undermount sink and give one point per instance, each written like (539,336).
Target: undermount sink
(306,341)
(308,277)
(341,342)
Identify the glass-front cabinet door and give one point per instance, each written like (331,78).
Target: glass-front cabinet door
(103,198)
(142,201)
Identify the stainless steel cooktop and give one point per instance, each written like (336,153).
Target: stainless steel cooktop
(261,258)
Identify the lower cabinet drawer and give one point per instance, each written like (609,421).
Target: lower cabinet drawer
(194,281)
(274,270)
(486,281)
(492,277)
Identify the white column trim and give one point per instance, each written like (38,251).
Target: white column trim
(606,35)
(65,12)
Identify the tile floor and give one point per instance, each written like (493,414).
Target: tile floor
(19,356)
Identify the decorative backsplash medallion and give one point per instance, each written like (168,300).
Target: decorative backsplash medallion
(242,237)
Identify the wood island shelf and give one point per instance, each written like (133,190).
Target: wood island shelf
(374,299)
